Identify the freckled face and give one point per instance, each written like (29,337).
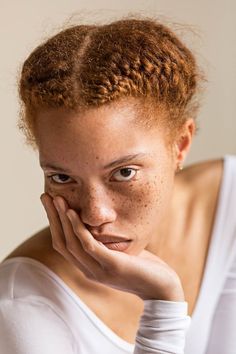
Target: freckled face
(126,199)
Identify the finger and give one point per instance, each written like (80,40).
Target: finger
(58,239)
(73,243)
(97,250)
(57,234)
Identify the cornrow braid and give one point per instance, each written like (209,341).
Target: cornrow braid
(89,66)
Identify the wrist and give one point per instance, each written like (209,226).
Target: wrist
(172,292)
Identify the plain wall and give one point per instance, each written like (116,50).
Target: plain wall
(24,24)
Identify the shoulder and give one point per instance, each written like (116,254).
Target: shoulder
(37,246)
(201,184)
(204,171)
(203,177)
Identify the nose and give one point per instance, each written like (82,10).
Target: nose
(96,208)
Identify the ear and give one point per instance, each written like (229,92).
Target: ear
(183,141)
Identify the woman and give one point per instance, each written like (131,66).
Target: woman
(134,245)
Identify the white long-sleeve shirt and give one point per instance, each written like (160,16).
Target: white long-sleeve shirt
(39,313)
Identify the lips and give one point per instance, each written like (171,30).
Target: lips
(118,246)
(110,239)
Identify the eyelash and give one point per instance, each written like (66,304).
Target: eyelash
(120,169)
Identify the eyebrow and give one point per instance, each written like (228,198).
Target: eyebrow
(123,159)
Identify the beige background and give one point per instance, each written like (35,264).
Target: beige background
(25,23)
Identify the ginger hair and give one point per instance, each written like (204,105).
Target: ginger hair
(86,66)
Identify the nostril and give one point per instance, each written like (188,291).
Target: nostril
(90,228)
(94,216)
(94,231)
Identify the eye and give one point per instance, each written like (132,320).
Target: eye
(125,174)
(59,178)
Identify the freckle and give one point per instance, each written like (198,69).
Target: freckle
(145,205)
(97,158)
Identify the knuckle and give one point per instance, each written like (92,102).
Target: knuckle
(88,246)
(70,247)
(57,246)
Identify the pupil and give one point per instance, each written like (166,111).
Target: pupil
(63,177)
(125,172)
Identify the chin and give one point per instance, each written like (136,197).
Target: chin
(135,248)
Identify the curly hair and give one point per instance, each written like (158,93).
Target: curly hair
(87,66)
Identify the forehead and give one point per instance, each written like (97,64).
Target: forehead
(105,132)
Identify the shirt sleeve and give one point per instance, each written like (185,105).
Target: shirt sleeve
(162,328)
(33,327)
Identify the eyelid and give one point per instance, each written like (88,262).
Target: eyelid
(125,167)
(122,167)
(50,177)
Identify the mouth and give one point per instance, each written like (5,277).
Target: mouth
(118,246)
(114,243)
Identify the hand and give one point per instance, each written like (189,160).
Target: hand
(145,275)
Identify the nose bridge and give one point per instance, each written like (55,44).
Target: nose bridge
(94,195)
(96,206)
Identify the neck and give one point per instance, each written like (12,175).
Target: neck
(169,235)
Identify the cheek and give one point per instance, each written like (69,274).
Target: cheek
(147,202)
(142,203)
(67,193)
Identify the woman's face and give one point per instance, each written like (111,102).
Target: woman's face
(117,175)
